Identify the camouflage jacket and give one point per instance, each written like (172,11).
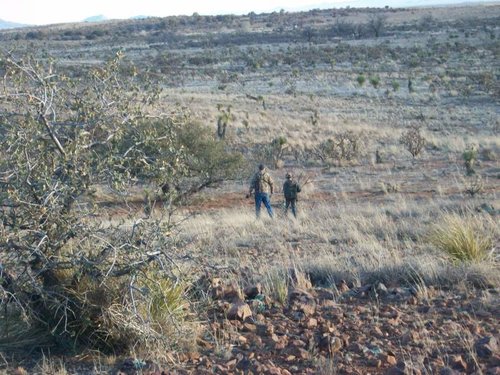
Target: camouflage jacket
(262,183)
(290,189)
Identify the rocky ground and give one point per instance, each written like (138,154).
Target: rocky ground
(371,329)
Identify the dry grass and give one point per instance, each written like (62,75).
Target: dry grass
(346,240)
(362,222)
(466,238)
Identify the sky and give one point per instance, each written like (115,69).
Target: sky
(40,12)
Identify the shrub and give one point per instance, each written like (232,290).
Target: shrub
(223,119)
(77,280)
(463,238)
(474,186)
(345,146)
(273,152)
(395,85)
(488,154)
(413,140)
(377,24)
(276,283)
(470,157)
(361,79)
(375,81)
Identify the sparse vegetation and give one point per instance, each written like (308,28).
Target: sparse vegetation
(124,234)
(361,79)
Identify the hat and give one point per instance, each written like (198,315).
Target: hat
(261,167)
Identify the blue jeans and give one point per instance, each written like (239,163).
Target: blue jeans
(263,198)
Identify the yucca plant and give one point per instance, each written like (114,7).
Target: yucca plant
(165,299)
(276,285)
(463,238)
(470,158)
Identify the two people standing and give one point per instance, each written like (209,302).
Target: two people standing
(263,186)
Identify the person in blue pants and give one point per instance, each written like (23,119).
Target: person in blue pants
(263,186)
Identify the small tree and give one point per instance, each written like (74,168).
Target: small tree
(361,79)
(413,140)
(395,85)
(470,157)
(223,119)
(375,81)
(277,148)
(79,281)
(345,146)
(377,24)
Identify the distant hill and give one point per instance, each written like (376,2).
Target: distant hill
(139,17)
(10,25)
(98,18)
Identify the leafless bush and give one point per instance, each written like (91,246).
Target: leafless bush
(345,146)
(413,140)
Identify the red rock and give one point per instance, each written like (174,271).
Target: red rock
(239,310)
(378,332)
(328,304)
(280,345)
(303,354)
(458,363)
(255,340)
(395,371)
(410,337)
(253,290)
(343,287)
(493,371)
(356,347)
(345,339)
(391,360)
(242,340)
(486,346)
(412,300)
(336,344)
(374,362)
(249,327)
(220,369)
(394,321)
(306,308)
(297,344)
(193,356)
(312,323)
(265,329)
(448,371)
(275,338)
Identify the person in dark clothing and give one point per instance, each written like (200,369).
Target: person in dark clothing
(290,189)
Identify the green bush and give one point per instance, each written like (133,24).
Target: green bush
(375,81)
(361,79)
(395,85)
(470,157)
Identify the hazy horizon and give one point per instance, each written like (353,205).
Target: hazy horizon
(35,12)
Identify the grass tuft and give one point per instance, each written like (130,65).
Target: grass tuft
(463,238)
